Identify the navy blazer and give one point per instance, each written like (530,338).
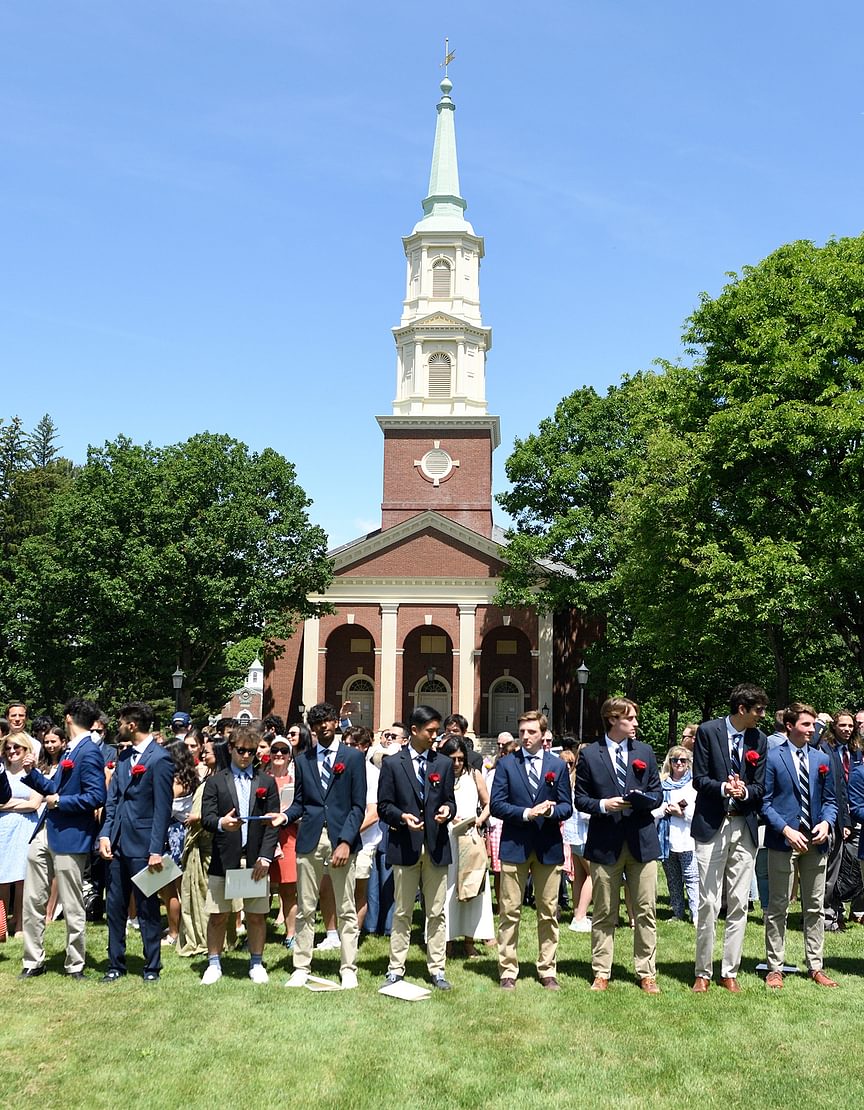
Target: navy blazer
(138,808)
(341,809)
(843,821)
(781,805)
(399,792)
(712,768)
(5,788)
(72,826)
(511,796)
(856,799)
(609,832)
(220,797)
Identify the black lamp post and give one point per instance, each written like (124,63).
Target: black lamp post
(301,709)
(582,679)
(177,682)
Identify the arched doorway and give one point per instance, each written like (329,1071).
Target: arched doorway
(436,693)
(360,690)
(427,670)
(506,702)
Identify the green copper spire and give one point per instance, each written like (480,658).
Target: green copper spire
(444,206)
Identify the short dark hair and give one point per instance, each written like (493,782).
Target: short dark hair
(456,719)
(454,744)
(423,715)
(41,725)
(275,723)
(322,711)
(139,713)
(399,724)
(795,710)
(746,694)
(82,712)
(225,723)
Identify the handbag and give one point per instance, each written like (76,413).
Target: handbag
(472,869)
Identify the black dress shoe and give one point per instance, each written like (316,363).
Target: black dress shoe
(150,976)
(112,976)
(440,983)
(32,972)
(79,975)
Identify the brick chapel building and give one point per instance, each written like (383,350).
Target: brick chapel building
(415,619)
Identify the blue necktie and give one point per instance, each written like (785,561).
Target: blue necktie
(804,787)
(736,753)
(421,775)
(621,767)
(325,770)
(533,773)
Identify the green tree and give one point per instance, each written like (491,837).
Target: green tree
(41,440)
(159,557)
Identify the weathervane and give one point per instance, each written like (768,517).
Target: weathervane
(449,55)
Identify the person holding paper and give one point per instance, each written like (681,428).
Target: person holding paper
(234,809)
(63,840)
(134,830)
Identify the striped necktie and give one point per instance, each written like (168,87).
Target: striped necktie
(804,787)
(533,773)
(420,770)
(621,766)
(325,769)
(736,753)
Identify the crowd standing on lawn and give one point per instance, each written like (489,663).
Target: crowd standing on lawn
(248,812)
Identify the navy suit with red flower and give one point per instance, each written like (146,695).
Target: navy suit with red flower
(609,832)
(399,792)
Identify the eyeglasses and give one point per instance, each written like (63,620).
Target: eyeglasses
(280,751)
(246,751)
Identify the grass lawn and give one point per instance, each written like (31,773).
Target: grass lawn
(178,1044)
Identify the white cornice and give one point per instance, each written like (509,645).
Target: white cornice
(442,423)
(410,591)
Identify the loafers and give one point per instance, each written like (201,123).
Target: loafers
(774,980)
(599,984)
(649,985)
(549,983)
(32,972)
(730,984)
(507,984)
(822,979)
(701,985)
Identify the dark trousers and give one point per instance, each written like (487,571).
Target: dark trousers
(380,897)
(120,887)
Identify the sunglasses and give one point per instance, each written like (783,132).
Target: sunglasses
(280,751)
(678,760)
(246,751)
(15,748)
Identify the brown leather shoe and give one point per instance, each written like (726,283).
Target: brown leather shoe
(599,984)
(507,984)
(730,985)
(549,983)
(822,979)
(649,985)
(774,980)
(701,984)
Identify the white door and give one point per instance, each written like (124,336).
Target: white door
(435,694)
(505,706)
(361,693)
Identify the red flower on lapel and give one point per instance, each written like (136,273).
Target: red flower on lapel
(823,769)
(138,770)
(110,765)
(338,768)
(261,792)
(550,778)
(66,764)
(752,757)
(639,765)
(434,778)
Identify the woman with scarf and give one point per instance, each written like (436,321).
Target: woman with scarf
(673,817)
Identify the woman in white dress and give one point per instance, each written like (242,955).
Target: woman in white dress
(18,819)
(471,919)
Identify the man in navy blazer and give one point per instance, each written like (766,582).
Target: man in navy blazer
(134,830)
(531,795)
(800,808)
(729,777)
(618,784)
(416,801)
(330,803)
(63,840)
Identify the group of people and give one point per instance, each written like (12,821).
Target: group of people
(333,820)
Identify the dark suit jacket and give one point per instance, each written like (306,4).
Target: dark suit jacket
(609,832)
(341,809)
(399,792)
(138,808)
(856,799)
(511,796)
(71,826)
(843,820)
(712,767)
(219,798)
(108,753)
(781,804)
(5,788)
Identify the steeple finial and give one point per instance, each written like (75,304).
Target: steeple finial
(449,55)
(444,205)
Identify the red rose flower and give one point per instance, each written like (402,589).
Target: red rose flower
(823,769)
(66,764)
(261,792)
(434,778)
(265,758)
(110,764)
(338,768)
(138,770)
(550,777)
(639,765)
(752,757)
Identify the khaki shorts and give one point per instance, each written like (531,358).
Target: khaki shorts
(216,902)
(365,862)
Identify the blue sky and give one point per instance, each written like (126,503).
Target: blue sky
(202,204)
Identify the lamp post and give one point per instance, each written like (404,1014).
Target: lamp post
(301,709)
(177,682)
(430,674)
(582,679)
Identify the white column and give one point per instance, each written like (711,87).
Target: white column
(387,671)
(466,664)
(544,662)
(311,638)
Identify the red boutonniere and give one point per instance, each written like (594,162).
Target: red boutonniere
(434,778)
(823,769)
(550,778)
(66,764)
(752,757)
(138,770)
(110,765)
(639,765)
(338,768)
(261,792)
(265,758)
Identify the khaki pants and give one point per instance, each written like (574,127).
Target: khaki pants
(310,871)
(513,878)
(641,881)
(730,856)
(43,865)
(433,881)
(811,888)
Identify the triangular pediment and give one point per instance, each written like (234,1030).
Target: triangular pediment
(444,531)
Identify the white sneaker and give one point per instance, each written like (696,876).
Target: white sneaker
(583,926)
(327,943)
(258,974)
(132,923)
(299,978)
(349,980)
(211,975)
